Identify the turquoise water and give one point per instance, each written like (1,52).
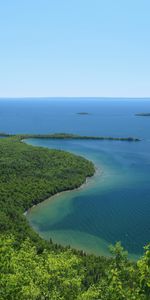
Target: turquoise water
(114,204)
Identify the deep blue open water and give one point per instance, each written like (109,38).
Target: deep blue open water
(115,204)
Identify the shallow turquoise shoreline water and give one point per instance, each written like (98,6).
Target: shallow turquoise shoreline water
(114,205)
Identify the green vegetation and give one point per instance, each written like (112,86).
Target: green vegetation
(28,175)
(34,269)
(72,136)
(27,275)
(79,137)
(3,134)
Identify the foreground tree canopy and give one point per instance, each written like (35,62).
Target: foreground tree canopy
(32,268)
(49,275)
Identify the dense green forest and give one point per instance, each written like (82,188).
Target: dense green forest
(28,175)
(32,268)
(26,274)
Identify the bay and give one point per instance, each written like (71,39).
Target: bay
(114,204)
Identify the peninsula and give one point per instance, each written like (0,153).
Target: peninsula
(35,173)
(70,136)
(30,175)
(32,267)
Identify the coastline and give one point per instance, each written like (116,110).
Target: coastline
(83,185)
(57,195)
(70,136)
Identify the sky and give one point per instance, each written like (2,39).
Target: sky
(75,48)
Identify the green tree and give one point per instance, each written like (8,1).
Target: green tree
(144,272)
(27,275)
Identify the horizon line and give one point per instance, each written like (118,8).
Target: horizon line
(74,97)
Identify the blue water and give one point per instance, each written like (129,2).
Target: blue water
(108,117)
(115,204)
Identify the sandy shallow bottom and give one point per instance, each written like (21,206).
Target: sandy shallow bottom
(108,208)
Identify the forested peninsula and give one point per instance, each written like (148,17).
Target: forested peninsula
(32,268)
(29,175)
(70,136)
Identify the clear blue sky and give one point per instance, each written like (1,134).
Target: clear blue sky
(75,48)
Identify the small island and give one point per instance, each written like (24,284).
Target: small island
(143,114)
(83,113)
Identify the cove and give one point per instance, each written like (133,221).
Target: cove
(114,205)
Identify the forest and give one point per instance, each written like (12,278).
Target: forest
(71,136)
(32,268)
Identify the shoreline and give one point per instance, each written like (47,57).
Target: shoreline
(84,184)
(67,191)
(70,136)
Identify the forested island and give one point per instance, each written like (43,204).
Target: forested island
(32,268)
(83,113)
(143,114)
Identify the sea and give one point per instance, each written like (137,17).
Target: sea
(113,205)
